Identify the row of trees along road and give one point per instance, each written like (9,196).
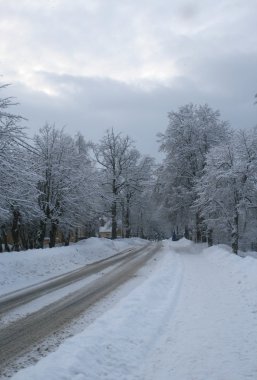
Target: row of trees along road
(209,177)
(56,183)
(205,188)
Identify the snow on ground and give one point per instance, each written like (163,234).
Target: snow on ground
(194,318)
(21,269)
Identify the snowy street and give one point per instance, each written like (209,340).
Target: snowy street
(191,315)
(18,338)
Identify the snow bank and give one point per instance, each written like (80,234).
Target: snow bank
(212,331)
(21,269)
(181,243)
(241,270)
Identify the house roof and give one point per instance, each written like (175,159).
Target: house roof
(106,228)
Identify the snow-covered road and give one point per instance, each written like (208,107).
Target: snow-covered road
(19,337)
(194,317)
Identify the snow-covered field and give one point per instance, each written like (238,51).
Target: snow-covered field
(194,317)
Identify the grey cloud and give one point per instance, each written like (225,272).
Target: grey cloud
(95,105)
(210,45)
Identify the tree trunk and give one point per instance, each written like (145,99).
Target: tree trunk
(67,241)
(235,233)
(114,209)
(52,236)
(66,238)
(41,234)
(141,227)
(204,235)
(24,238)
(76,235)
(16,230)
(127,220)
(198,228)
(210,237)
(4,239)
(186,232)
(114,221)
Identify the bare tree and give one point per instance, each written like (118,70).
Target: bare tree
(138,176)
(227,190)
(191,132)
(66,183)
(115,154)
(17,179)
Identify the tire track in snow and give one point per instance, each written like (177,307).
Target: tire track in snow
(18,298)
(116,345)
(17,339)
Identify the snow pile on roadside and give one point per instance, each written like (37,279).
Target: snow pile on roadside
(241,270)
(21,269)
(180,245)
(212,332)
(114,346)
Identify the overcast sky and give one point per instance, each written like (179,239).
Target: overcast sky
(95,64)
